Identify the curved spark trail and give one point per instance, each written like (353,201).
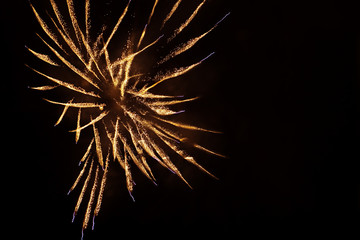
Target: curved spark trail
(129,122)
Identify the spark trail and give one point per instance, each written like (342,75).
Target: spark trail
(129,123)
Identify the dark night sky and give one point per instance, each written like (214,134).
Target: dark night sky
(283,86)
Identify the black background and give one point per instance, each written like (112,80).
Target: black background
(283,86)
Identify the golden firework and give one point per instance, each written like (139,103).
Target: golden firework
(129,122)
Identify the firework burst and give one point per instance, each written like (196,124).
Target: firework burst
(130,123)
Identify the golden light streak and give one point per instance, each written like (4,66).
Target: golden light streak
(184,155)
(109,68)
(188,45)
(60,18)
(209,151)
(79,177)
(77,105)
(98,145)
(129,59)
(115,28)
(115,99)
(164,111)
(116,135)
(176,73)
(44,88)
(102,188)
(70,43)
(91,200)
(143,165)
(98,118)
(74,22)
(187,22)
(142,36)
(173,102)
(148,22)
(149,95)
(176,5)
(81,196)
(46,29)
(185,126)
(67,85)
(129,181)
(145,144)
(169,164)
(72,67)
(43,57)
(117,153)
(63,112)
(133,156)
(87,151)
(77,135)
(87,20)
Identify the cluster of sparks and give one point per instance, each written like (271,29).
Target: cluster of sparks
(128,121)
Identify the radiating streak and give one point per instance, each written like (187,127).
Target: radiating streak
(87,20)
(85,40)
(70,5)
(98,145)
(129,60)
(182,153)
(165,103)
(208,151)
(189,44)
(168,132)
(46,29)
(108,66)
(63,112)
(129,181)
(117,153)
(60,18)
(92,57)
(148,22)
(44,88)
(43,57)
(115,28)
(77,105)
(176,5)
(178,72)
(174,74)
(98,118)
(185,126)
(91,200)
(67,85)
(79,177)
(115,140)
(132,55)
(102,188)
(134,157)
(71,44)
(126,78)
(151,95)
(144,143)
(144,165)
(152,11)
(81,196)
(87,151)
(187,22)
(170,165)
(69,65)
(164,111)
(141,36)
(77,135)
